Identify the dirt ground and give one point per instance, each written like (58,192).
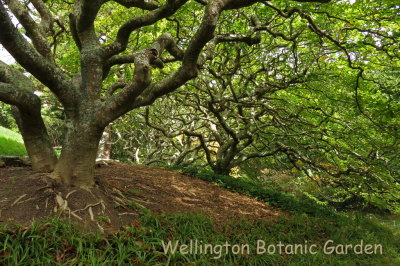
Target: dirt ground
(123,190)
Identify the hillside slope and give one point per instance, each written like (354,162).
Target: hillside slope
(132,188)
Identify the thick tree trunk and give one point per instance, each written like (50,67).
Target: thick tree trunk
(78,156)
(36,139)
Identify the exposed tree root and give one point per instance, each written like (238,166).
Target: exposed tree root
(121,193)
(95,209)
(18,199)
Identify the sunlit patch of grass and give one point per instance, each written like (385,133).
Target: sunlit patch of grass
(11,143)
(9,134)
(11,147)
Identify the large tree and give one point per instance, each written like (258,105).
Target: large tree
(92,97)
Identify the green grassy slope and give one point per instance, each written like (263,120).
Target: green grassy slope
(11,143)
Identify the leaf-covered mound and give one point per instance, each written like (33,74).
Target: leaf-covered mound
(122,191)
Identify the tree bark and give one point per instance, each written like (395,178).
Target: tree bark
(36,139)
(221,170)
(18,90)
(78,156)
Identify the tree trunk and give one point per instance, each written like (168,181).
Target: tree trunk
(78,156)
(221,171)
(221,168)
(36,139)
(225,155)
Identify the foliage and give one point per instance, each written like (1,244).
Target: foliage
(310,88)
(6,119)
(55,242)
(316,93)
(254,188)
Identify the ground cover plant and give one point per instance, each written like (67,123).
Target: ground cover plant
(59,242)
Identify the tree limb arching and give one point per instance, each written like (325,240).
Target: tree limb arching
(142,4)
(121,42)
(33,30)
(87,110)
(18,90)
(26,55)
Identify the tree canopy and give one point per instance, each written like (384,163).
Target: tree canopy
(308,85)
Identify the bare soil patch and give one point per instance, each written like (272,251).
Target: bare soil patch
(123,189)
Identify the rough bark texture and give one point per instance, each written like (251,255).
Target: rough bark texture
(78,156)
(36,140)
(18,90)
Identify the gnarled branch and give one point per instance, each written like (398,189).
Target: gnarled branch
(142,4)
(28,57)
(33,30)
(140,21)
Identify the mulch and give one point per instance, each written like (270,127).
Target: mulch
(27,196)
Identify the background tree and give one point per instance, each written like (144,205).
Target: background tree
(311,107)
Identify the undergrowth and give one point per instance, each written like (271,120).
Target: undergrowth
(55,242)
(255,189)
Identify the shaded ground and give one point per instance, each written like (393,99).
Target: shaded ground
(122,191)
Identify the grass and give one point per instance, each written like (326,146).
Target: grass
(11,143)
(55,242)
(9,134)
